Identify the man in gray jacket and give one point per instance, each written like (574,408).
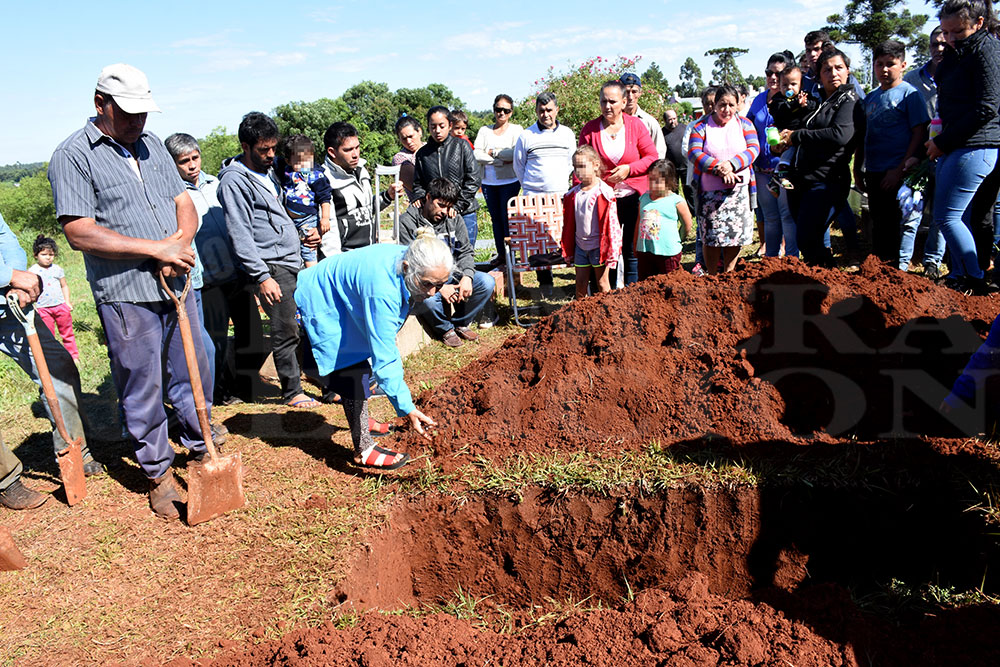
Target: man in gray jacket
(266,243)
(468,290)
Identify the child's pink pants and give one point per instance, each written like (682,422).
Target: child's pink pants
(60,316)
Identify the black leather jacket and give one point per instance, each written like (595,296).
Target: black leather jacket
(968,83)
(453,161)
(827,141)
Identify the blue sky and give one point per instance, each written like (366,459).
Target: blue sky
(209,63)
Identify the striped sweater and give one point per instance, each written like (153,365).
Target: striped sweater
(704,162)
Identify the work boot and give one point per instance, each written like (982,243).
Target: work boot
(92,467)
(19,497)
(202,456)
(219,433)
(163,498)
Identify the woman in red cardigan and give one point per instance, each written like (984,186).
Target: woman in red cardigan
(627,151)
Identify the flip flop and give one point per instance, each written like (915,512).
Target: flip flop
(379,429)
(304,403)
(376,457)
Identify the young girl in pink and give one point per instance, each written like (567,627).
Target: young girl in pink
(53,305)
(591,235)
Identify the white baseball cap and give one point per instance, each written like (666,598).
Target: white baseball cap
(128,86)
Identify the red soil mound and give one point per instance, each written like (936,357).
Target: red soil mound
(677,357)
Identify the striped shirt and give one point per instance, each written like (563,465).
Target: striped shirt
(92,176)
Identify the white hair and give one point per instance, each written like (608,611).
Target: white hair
(425,253)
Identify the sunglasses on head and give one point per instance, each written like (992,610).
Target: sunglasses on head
(502,110)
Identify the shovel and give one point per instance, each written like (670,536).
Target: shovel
(215,485)
(11,557)
(70,458)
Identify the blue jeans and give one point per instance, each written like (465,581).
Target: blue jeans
(431,311)
(472,226)
(198,329)
(933,246)
(145,350)
(778,220)
(65,381)
(497,197)
(304,225)
(815,207)
(958,175)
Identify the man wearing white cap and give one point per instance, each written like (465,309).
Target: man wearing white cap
(122,203)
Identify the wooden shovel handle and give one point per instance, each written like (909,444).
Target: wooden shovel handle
(191,358)
(35,345)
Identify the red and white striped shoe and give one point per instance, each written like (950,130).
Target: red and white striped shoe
(380,457)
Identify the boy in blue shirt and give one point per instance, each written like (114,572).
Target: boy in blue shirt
(896,129)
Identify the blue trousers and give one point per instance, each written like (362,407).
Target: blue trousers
(472,226)
(958,176)
(815,206)
(431,311)
(497,197)
(145,349)
(65,381)
(778,221)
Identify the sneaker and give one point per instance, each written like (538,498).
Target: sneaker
(488,324)
(547,291)
(932,271)
(697,270)
(19,497)
(451,339)
(466,333)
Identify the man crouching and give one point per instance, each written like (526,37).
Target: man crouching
(468,290)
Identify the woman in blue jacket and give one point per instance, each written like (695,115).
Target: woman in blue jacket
(352,307)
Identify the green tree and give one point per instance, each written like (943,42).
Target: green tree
(216,147)
(870,22)
(29,206)
(755,82)
(691,83)
(725,69)
(653,78)
(312,119)
(578,90)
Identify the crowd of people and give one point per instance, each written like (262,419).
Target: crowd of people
(300,241)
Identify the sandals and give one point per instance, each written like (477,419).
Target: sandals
(378,428)
(304,403)
(380,457)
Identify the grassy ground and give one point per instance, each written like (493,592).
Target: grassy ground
(109,582)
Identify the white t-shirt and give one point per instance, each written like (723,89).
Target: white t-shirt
(588,229)
(268,182)
(614,147)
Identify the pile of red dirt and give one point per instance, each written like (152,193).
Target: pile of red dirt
(678,357)
(687,625)
(683,625)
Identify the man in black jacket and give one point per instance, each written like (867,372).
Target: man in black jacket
(450,158)
(468,290)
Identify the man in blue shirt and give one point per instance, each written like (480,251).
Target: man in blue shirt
(15,279)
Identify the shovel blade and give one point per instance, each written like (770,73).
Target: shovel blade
(11,557)
(71,472)
(214,488)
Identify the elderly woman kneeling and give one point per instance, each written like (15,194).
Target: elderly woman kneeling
(352,306)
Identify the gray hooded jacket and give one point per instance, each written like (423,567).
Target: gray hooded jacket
(260,229)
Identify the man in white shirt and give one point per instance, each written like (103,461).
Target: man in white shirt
(543,159)
(633,89)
